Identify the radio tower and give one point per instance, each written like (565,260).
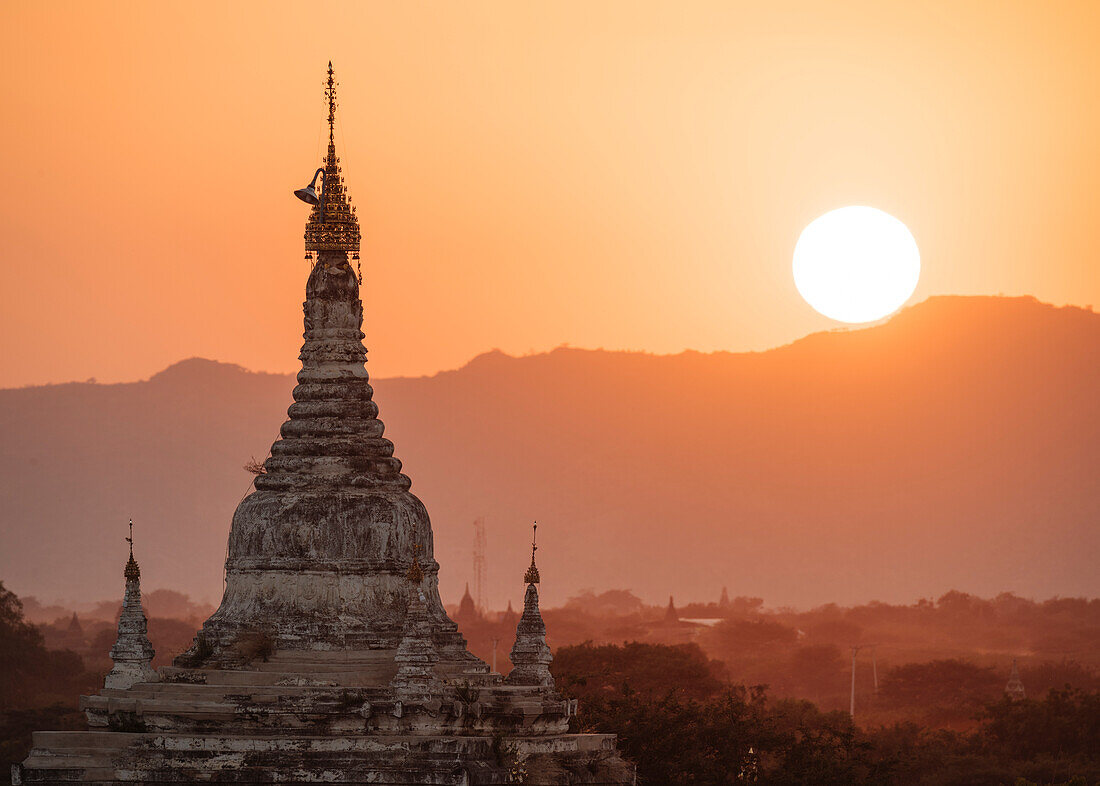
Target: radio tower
(479,565)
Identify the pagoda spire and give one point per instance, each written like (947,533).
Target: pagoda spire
(332,229)
(132,653)
(671,615)
(1015,687)
(532,574)
(467,610)
(330,96)
(318,554)
(530,654)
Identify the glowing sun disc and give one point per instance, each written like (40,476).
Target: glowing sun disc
(856,264)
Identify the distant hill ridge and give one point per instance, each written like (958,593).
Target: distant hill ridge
(953,446)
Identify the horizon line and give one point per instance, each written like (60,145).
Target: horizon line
(840,328)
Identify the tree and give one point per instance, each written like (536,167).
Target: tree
(1065,723)
(21,650)
(750,635)
(954,683)
(29,673)
(818,668)
(649,669)
(705,736)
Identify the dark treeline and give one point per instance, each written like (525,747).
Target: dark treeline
(936,661)
(682,725)
(39,687)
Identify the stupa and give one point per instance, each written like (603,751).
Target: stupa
(1014,689)
(331,657)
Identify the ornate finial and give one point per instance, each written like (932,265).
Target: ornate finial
(415,574)
(132,571)
(330,96)
(532,574)
(332,224)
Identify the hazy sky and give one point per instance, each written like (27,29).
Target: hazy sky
(626,175)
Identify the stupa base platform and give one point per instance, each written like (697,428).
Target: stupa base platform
(107,757)
(325,717)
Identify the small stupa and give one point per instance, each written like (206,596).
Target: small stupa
(509,616)
(672,617)
(467,610)
(530,655)
(1014,689)
(132,653)
(331,657)
(416,656)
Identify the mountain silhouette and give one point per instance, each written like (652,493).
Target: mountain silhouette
(955,446)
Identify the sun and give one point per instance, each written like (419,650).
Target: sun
(856,264)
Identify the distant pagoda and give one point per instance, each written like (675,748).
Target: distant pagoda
(331,657)
(467,611)
(672,617)
(1014,689)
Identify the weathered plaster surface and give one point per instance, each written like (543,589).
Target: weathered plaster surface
(132,652)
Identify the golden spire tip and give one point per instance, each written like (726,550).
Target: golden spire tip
(132,572)
(532,574)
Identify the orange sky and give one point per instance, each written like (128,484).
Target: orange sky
(619,175)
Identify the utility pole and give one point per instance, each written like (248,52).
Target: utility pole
(874,667)
(852,710)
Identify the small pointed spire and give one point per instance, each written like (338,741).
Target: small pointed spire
(132,572)
(132,653)
(671,615)
(330,96)
(467,609)
(530,654)
(416,655)
(1015,687)
(332,225)
(532,574)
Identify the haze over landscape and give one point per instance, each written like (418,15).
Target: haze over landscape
(953,447)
